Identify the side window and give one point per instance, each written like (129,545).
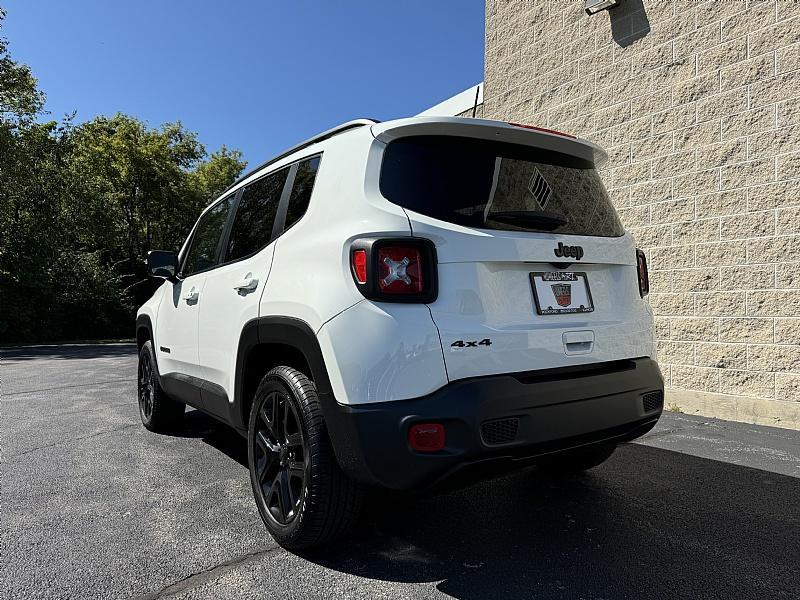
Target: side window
(255,215)
(301,190)
(202,253)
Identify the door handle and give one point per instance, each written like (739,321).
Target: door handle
(248,284)
(192,296)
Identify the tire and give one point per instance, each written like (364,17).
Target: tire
(301,493)
(575,462)
(159,412)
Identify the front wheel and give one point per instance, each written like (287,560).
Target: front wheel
(158,412)
(301,493)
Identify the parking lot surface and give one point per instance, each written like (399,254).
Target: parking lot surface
(95,506)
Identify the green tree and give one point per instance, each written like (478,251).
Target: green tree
(32,159)
(142,188)
(80,205)
(20,99)
(33,232)
(132,180)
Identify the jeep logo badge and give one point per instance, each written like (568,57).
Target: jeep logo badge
(568,251)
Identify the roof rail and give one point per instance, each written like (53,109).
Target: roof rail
(296,148)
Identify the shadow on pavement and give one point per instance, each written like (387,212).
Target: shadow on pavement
(649,523)
(197,424)
(68,352)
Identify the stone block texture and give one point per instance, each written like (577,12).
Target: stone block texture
(698,106)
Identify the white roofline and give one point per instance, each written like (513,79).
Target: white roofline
(456,104)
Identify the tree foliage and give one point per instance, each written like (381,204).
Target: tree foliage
(80,206)
(19,96)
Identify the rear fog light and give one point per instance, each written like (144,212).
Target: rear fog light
(426,437)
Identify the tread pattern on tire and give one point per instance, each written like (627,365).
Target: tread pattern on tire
(334,501)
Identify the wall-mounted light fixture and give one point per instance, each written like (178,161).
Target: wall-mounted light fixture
(595,6)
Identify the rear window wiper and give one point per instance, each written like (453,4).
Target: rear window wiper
(522,218)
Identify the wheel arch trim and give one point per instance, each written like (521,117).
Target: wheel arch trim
(143,321)
(288,331)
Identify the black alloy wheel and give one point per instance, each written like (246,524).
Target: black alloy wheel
(146,388)
(158,411)
(301,493)
(280,453)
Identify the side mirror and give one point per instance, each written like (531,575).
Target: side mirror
(162,263)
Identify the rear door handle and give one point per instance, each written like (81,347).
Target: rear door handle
(248,284)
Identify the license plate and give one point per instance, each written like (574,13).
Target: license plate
(557,292)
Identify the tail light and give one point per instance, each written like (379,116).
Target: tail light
(395,269)
(644,278)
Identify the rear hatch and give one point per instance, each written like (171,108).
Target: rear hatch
(535,269)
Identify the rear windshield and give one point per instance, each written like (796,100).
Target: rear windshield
(494,185)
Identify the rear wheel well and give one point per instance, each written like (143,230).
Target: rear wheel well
(261,359)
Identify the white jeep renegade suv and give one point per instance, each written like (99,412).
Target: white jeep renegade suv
(397,304)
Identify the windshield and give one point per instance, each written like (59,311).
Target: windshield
(494,185)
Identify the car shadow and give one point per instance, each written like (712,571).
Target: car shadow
(197,424)
(648,523)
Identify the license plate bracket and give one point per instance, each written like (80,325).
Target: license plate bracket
(561,292)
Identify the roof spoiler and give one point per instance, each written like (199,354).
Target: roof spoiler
(545,139)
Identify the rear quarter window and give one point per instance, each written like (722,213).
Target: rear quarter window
(493,185)
(303,185)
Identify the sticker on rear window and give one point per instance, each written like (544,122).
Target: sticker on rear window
(539,188)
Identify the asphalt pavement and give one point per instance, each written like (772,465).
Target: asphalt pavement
(95,506)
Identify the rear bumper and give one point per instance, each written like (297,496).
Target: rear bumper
(497,421)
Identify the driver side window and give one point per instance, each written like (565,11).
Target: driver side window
(202,254)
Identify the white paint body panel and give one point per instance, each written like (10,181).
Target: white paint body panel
(494,300)
(376,352)
(224,312)
(311,278)
(176,327)
(152,306)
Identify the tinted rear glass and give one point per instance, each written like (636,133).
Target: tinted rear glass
(301,190)
(255,216)
(492,185)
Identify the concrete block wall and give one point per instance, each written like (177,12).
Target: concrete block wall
(698,106)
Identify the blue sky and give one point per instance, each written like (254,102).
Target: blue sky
(258,76)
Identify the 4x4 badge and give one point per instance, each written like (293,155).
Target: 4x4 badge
(573,251)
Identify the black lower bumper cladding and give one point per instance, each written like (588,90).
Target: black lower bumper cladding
(497,421)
